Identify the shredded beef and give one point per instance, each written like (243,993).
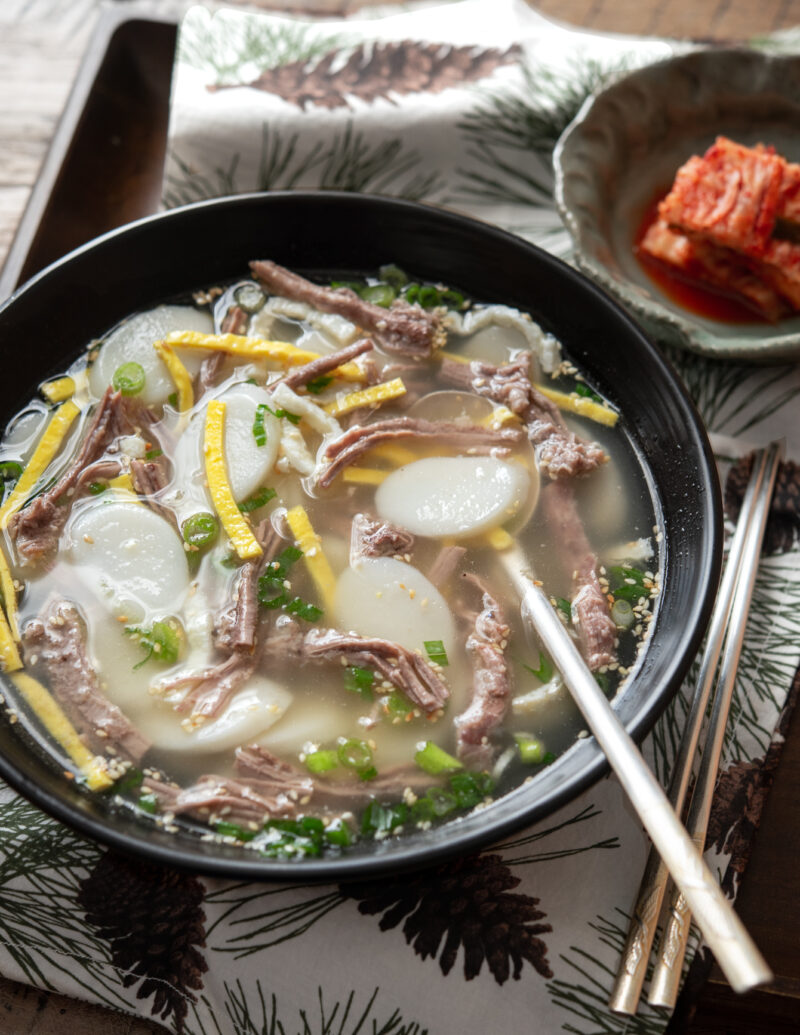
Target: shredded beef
(560,453)
(325,364)
(37,529)
(403,668)
(210,690)
(232,800)
(407,329)
(446,564)
(267,772)
(346,449)
(210,369)
(56,642)
(491,683)
(235,321)
(236,624)
(596,630)
(284,642)
(370,538)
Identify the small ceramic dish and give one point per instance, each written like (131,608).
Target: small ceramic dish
(621,153)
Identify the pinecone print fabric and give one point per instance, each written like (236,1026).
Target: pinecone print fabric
(154,922)
(381,70)
(467,903)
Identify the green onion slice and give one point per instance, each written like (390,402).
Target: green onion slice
(200,530)
(319,384)
(259,431)
(435,760)
(249,297)
(357,755)
(436,652)
(129,378)
(545,670)
(379,294)
(162,641)
(302,609)
(10,470)
(259,498)
(359,681)
(322,761)
(531,750)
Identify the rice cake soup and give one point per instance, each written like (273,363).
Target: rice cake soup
(253,558)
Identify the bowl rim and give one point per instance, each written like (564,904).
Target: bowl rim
(681,328)
(408,853)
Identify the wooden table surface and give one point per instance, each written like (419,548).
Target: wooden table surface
(41,46)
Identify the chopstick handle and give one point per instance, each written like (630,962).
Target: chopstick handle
(650,897)
(667,973)
(733,947)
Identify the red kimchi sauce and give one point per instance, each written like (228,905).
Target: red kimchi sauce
(689,294)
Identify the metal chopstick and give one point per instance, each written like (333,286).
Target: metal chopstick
(635,956)
(667,973)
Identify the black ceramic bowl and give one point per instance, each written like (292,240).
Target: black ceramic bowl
(51,319)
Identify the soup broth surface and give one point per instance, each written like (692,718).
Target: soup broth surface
(312,655)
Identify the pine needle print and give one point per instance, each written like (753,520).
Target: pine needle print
(250,1011)
(585,998)
(153,919)
(41,925)
(466,904)
(375,71)
(220,46)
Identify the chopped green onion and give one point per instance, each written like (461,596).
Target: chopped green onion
(397,706)
(129,378)
(429,296)
(322,761)
(288,838)
(627,584)
(200,530)
(153,454)
(393,275)
(359,681)
(338,833)
(172,399)
(443,802)
(435,760)
(602,680)
(565,607)
(379,294)
(545,670)
(531,750)
(622,614)
(95,488)
(471,789)
(436,652)
(301,608)
(148,803)
(587,393)
(258,499)
(259,431)
(234,830)
(453,299)
(357,755)
(319,384)
(411,292)
(10,470)
(352,285)
(249,297)
(271,590)
(549,758)
(380,819)
(130,780)
(162,641)
(293,418)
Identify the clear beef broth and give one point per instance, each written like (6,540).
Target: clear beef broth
(352,744)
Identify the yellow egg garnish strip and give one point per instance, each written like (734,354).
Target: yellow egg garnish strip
(257,348)
(317,563)
(236,528)
(9,595)
(367,397)
(498,418)
(364,475)
(125,487)
(393,453)
(10,660)
(179,375)
(499,539)
(48,711)
(46,449)
(59,390)
(581,405)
